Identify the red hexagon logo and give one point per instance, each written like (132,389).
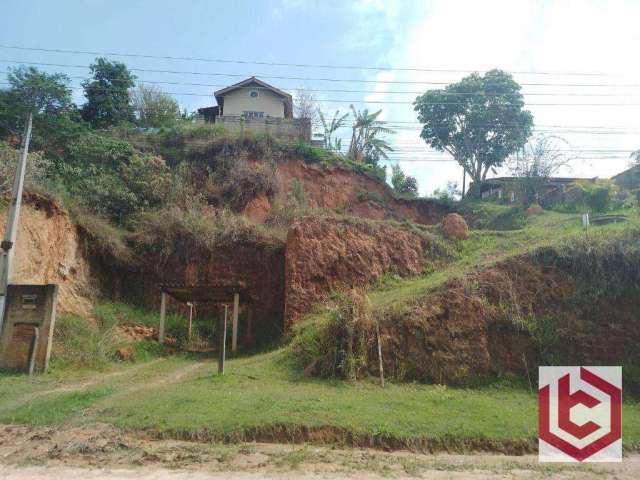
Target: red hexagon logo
(583,424)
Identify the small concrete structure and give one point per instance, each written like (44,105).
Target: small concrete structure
(222,294)
(27,334)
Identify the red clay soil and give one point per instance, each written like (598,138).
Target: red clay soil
(328,254)
(352,192)
(259,265)
(513,317)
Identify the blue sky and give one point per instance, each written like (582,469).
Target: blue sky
(525,35)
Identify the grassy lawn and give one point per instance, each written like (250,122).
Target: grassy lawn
(182,396)
(261,392)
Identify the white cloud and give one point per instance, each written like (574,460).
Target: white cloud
(528,35)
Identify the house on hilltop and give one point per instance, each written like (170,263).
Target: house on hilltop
(255,106)
(505,189)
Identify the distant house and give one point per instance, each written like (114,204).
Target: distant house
(254,105)
(505,189)
(628,179)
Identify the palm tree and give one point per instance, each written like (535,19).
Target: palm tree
(330,128)
(365,136)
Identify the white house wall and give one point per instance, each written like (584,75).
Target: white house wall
(239,101)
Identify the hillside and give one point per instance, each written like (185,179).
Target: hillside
(453,311)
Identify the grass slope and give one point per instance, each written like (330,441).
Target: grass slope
(263,398)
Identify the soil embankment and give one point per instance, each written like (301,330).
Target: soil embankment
(50,249)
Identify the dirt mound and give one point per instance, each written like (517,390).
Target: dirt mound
(455,227)
(49,249)
(328,254)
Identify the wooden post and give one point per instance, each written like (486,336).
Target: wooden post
(223,340)
(380,355)
(163,314)
(234,330)
(190,319)
(249,332)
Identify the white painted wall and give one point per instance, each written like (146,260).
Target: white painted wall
(239,101)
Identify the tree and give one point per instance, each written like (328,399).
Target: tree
(365,137)
(403,184)
(635,156)
(336,123)
(305,105)
(480,121)
(44,95)
(108,97)
(154,108)
(48,98)
(535,163)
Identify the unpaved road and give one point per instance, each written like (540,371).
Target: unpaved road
(102,452)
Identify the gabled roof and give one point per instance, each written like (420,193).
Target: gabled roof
(249,81)
(287,98)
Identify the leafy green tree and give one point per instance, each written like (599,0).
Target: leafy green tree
(108,96)
(403,184)
(332,127)
(47,97)
(365,137)
(154,108)
(480,121)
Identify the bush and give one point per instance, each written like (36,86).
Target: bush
(110,178)
(243,182)
(80,343)
(338,346)
(38,169)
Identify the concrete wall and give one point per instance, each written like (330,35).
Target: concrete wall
(239,101)
(286,129)
(28,307)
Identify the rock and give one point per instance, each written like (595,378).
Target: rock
(125,353)
(455,227)
(534,209)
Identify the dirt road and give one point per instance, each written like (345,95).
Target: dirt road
(101,451)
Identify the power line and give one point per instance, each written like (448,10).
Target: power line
(320,79)
(386,92)
(298,65)
(394,102)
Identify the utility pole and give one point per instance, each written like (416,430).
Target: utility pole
(7,251)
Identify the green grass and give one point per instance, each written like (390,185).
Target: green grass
(261,392)
(183,397)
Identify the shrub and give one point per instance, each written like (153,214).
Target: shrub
(38,169)
(338,345)
(243,182)
(109,177)
(80,343)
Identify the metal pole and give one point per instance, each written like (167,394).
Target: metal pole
(7,251)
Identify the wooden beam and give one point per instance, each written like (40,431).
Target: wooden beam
(190,319)
(234,330)
(163,315)
(223,340)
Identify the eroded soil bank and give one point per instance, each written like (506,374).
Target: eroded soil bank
(100,451)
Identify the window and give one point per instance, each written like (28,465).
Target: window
(253,94)
(250,115)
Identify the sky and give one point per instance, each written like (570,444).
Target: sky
(562,52)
